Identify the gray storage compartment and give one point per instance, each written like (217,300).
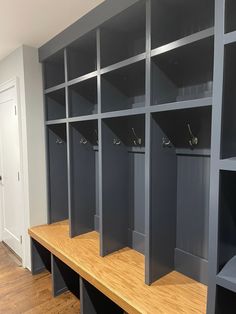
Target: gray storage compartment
(123,183)
(83,98)
(173,20)
(55,103)
(228,139)
(180,181)
(57,177)
(124,35)
(230,21)
(82,56)
(183,74)
(124,88)
(54,70)
(84,177)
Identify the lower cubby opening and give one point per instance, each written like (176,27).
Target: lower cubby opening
(227,231)
(40,258)
(124,88)
(83,98)
(57,167)
(84,177)
(185,73)
(225,301)
(95,302)
(55,103)
(64,278)
(180,180)
(123,183)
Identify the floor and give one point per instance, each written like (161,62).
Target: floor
(20,292)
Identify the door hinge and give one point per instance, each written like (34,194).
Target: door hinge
(21,239)
(15,111)
(18,176)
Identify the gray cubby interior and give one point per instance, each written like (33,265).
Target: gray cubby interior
(124,35)
(180,180)
(57,173)
(84,176)
(225,301)
(184,73)
(123,183)
(83,98)
(54,70)
(92,301)
(55,103)
(227,219)
(230,22)
(188,17)
(40,258)
(124,88)
(64,278)
(228,138)
(82,56)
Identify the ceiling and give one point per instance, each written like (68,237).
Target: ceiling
(34,22)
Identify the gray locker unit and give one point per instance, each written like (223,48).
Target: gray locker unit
(139,109)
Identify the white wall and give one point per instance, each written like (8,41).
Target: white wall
(23,64)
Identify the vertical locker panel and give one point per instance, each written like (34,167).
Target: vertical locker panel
(115,192)
(163,205)
(137,200)
(57,152)
(83,198)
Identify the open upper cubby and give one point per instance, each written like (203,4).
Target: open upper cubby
(57,167)
(84,176)
(82,56)
(83,98)
(54,70)
(124,35)
(228,137)
(123,183)
(179,190)
(124,88)
(184,73)
(188,17)
(227,223)
(230,16)
(55,103)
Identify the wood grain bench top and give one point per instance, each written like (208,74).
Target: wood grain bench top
(120,276)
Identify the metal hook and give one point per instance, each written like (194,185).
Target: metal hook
(193,139)
(59,141)
(166,143)
(137,140)
(116,141)
(83,141)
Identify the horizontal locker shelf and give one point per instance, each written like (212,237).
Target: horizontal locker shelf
(54,88)
(188,104)
(57,121)
(189,17)
(123,63)
(183,41)
(227,276)
(126,266)
(228,164)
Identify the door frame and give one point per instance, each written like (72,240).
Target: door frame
(14,83)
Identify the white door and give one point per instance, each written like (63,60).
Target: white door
(10,188)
